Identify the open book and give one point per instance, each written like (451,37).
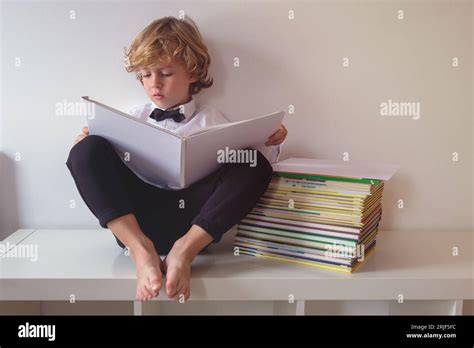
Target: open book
(163,158)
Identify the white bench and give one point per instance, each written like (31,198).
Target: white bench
(410,273)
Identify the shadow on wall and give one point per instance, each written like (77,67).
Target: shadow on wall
(9,219)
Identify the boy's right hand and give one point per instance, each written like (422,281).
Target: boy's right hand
(85,133)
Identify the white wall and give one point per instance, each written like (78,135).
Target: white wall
(282,62)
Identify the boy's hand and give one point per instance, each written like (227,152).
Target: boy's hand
(85,133)
(278,137)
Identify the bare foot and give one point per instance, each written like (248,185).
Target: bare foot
(148,265)
(177,266)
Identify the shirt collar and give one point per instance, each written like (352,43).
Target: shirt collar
(188,108)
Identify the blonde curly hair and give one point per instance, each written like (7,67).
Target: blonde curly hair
(171,39)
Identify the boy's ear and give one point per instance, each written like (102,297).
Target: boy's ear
(193,78)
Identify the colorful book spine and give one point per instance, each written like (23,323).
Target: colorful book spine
(326,222)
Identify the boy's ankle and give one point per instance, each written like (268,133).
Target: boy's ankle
(183,250)
(142,244)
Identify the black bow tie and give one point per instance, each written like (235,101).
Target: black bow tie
(160,115)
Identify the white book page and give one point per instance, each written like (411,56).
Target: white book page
(351,169)
(201,151)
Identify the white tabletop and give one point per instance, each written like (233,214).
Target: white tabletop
(90,265)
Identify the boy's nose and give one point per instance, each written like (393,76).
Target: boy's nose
(157,81)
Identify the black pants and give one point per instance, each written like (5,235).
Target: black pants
(215,203)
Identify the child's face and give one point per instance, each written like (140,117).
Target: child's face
(167,86)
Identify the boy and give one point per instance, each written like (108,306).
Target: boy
(171,61)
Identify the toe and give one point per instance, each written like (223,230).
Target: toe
(146,293)
(171,287)
(140,296)
(171,291)
(155,284)
(181,289)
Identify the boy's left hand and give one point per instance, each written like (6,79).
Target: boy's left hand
(278,136)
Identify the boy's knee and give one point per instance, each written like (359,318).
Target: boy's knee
(86,149)
(259,171)
(92,141)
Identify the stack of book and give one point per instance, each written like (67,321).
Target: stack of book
(318,213)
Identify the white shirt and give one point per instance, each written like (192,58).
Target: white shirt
(195,118)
